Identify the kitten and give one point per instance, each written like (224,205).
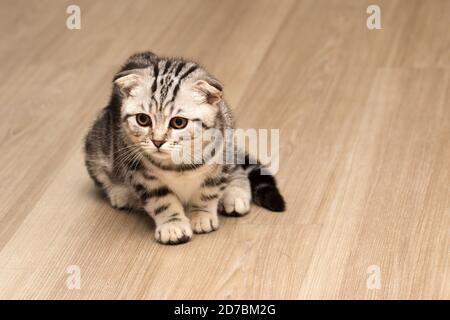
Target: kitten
(130,150)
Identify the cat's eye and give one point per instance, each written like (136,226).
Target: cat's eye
(143,120)
(178,122)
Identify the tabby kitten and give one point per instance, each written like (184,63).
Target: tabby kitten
(129,150)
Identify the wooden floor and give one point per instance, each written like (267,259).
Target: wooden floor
(364,118)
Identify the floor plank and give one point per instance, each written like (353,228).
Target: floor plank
(364,124)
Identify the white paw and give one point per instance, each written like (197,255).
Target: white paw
(174,232)
(236,202)
(204,222)
(120,196)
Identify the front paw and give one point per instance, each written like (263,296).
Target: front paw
(174,232)
(235,202)
(204,222)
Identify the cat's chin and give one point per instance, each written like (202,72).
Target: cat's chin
(160,155)
(162,159)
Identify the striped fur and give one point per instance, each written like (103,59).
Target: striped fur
(124,161)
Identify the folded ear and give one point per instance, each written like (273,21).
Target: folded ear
(211,89)
(128,80)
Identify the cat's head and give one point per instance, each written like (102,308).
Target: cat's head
(166,106)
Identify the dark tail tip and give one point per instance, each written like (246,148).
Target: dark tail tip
(265,192)
(271,200)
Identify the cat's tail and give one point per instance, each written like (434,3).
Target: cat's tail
(264,187)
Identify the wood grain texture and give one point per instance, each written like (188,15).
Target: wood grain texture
(364,118)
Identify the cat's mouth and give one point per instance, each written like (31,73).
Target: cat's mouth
(155,151)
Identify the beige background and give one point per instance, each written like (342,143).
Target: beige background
(365,146)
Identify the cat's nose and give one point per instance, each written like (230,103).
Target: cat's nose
(158,143)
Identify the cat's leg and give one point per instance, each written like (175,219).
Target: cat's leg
(120,195)
(172,225)
(237,195)
(204,203)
